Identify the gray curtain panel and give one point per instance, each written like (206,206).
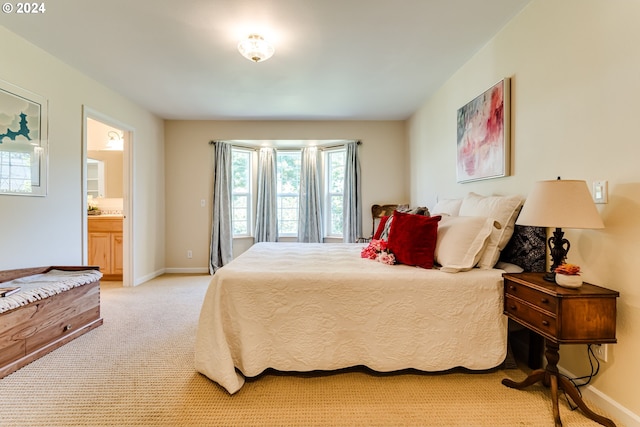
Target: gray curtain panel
(267,204)
(221,251)
(352,209)
(310,215)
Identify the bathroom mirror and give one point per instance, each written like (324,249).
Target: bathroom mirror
(104,161)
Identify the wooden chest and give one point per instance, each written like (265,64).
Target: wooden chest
(33,330)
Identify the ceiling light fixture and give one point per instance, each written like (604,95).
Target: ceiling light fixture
(255,48)
(115,141)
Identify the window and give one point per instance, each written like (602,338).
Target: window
(288,164)
(335,163)
(288,176)
(15,171)
(241,192)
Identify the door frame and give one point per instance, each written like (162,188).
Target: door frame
(127,191)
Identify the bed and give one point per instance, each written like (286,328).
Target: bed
(305,307)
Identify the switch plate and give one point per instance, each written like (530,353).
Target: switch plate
(189,254)
(203,203)
(600,191)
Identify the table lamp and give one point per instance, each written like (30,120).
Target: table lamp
(560,204)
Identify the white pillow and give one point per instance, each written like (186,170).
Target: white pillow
(461,241)
(509,267)
(447,207)
(503,209)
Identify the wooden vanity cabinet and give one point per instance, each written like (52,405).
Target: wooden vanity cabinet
(105,245)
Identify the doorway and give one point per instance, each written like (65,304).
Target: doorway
(106,189)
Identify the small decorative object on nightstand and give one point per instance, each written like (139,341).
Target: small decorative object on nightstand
(568,275)
(586,315)
(568,281)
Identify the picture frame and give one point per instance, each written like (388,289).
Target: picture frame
(24,143)
(483,135)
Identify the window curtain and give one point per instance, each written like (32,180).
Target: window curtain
(352,208)
(221,251)
(310,215)
(267,204)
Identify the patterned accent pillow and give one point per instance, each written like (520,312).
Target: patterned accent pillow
(420,210)
(382,226)
(527,248)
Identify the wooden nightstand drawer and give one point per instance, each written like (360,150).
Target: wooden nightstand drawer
(533,318)
(535,297)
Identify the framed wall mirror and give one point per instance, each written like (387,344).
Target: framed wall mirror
(23,142)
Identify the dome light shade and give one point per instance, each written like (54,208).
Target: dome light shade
(255,48)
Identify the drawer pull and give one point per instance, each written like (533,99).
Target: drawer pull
(545,300)
(68,328)
(513,307)
(512,288)
(545,322)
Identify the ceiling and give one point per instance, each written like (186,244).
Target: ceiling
(334,59)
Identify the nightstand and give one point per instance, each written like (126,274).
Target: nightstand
(586,315)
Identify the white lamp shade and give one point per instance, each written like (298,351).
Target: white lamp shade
(560,204)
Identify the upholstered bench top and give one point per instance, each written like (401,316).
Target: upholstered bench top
(40,286)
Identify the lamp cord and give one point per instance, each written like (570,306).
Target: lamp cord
(595,368)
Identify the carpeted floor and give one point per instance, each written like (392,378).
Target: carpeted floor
(137,370)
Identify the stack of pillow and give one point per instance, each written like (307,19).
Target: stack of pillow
(459,235)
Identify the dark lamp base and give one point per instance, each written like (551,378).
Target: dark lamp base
(558,248)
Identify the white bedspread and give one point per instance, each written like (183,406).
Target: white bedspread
(304,307)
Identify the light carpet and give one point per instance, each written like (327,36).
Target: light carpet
(137,370)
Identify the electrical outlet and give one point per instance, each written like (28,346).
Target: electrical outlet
(189,254)
(600,350)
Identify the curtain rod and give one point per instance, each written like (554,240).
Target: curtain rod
(213,142)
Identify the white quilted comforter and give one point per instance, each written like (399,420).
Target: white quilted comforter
(305,306)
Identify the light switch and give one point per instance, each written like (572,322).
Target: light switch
(600,192)
(202,203)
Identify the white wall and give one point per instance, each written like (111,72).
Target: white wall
(575,73)
(189,173)
(37,231)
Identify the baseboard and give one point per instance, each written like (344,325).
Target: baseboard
(200,270)
(606,403)
(146,278)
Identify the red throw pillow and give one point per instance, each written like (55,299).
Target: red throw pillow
(380,229)
(412,238)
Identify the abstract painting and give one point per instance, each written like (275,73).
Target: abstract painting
(483,135)
(23,142)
